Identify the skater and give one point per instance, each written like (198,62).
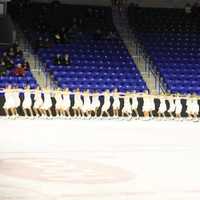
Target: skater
(116,103)
(59,102)
(163,107)
(134,105)
(38,102)
(46,107)
(106,104)
(66,102)
(78,103)
(127,109)
(172,106)
(27,103)
(8,105)
(95,105)
(86,103)
(147,107)
(178,106)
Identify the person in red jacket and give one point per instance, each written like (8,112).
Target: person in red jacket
(19,70)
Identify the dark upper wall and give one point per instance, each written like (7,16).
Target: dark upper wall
(143,3)
(6,30)
(80,2)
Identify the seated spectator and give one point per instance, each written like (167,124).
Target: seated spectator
(188,8)
(11,52)
(19,70)
(74,28)
(26,66)
(2,69)
(111,35)
(90,13)
(63,35)
(8,61)
(74,20)
(4,56)
(47,43)
(39,43)
(57,38)
(15,46)
(65,60)
(18,52)
(57,59)
(98,34)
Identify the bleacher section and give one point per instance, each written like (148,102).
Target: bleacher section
(170,39)
(9,77)
(97,61)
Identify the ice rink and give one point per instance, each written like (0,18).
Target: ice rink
(99,160)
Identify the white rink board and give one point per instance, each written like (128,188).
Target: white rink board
(99,160)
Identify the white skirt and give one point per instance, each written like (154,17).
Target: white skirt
(147,107)
(47,104)
(134,104)
(95,105)
(195,108)
(59,104)
(127,108)
(38,103)
(172,108)
(162,108)
(66,103)
(78,104)
(178,109)
(8,103)
(16,102)
(116,104)
(192,108)
(86,107)
(27,103)
(106,106)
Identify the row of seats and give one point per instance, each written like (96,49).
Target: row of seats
(95,63)
(17,81)
(171,41)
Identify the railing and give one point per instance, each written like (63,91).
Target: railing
(39,67)
(149,67)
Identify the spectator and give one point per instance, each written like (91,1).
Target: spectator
(11,52)
(26,66)
(57,38)
(74,28)
(188,9)
(19,70)
(98,34)
(63,35)
(15,46)
(8,61)
(18,52)
(2,69)
(111,35)
(65,60)
(90,13)
(39,43)
(5,56)
(47,43)
(57,59)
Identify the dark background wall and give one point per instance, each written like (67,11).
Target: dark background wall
(6,30)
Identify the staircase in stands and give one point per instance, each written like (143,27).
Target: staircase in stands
(121,23)
(36,68)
